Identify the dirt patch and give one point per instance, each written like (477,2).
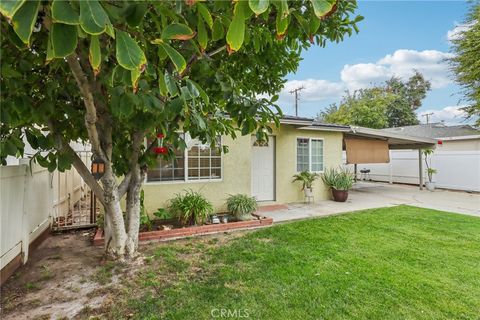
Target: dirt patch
(66,277)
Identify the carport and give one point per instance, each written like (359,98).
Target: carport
(365,145)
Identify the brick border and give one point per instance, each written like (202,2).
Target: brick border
(191,231)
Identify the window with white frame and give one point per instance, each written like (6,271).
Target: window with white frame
(309,154)
(197,162)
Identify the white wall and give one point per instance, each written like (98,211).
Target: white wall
(458,170)
(30,200)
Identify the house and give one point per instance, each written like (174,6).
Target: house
(263,170)
(453,138)
(456,157)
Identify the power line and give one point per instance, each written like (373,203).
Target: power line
(427,115)
(297,95)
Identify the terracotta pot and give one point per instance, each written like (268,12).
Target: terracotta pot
(339,195)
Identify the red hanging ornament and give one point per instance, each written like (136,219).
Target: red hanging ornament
(160,150)
(160,135)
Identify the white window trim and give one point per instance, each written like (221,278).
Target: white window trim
(185,178)
(310,153)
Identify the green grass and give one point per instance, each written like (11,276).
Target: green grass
(390,263)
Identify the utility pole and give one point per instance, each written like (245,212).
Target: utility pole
(427,115)
(297,94)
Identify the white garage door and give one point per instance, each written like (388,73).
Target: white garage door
(263,170)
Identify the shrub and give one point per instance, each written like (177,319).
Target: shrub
(241,206)
(306,178)
(190,208)
(338,179)
(163,214)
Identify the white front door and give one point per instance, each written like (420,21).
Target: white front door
(263,170)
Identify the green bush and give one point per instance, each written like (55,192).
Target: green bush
(338,179)
(190,208)
(163,214)
(241,206)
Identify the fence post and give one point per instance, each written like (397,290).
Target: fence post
(420,169)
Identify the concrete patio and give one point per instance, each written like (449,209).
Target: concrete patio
(368,195)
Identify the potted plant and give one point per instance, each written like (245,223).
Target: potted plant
(241,206)
(306,178)
(430,171)
(339,181)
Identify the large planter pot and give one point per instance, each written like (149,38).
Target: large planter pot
(430,186)
(339,195)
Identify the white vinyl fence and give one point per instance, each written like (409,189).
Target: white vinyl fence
(29,199)
(458,170)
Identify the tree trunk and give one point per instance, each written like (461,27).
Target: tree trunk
(133,211)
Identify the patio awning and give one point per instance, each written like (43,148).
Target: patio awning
(394,140)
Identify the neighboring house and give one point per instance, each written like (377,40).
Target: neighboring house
(456,157)
(263,171)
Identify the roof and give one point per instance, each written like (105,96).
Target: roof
(395,140)
(436,130)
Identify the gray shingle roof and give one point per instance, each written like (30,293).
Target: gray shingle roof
(436,130)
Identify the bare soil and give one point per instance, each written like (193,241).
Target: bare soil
(68,278)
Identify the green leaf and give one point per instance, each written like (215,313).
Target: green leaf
(128,52)
(24,20)
(171,85)
(135,75)
(136,13)
(323,7)
(207,17)
(314,24)
(236,30)
(162,85)
(63,12)
(9,8)
(93,19)
(177,59)
(177,31)
(217,32)
(281,25)
(258,6)
(50,54)
(202,33)
(64,39)
(95,54)
(200,90)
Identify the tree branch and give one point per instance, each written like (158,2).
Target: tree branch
(194,58)
(123,187)
(91,111)
(84,172)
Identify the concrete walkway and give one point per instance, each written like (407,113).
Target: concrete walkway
(368,195)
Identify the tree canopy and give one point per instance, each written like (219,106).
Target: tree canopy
(114,73)
(466,62)
(392,104)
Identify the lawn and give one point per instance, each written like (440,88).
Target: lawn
(390,263)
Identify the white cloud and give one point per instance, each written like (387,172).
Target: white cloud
(451,115)
(402,63)
(457,30)
(431,63)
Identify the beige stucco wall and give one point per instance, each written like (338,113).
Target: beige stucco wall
(286,137)
(237,171)
(236,179)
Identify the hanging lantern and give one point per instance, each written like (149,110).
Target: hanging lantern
(98,168)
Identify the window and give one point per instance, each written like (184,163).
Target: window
(309,154)
(197,162)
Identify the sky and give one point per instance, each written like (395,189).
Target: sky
(395,37)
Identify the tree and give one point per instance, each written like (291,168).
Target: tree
(116,73)
(466,62)
(392,104)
